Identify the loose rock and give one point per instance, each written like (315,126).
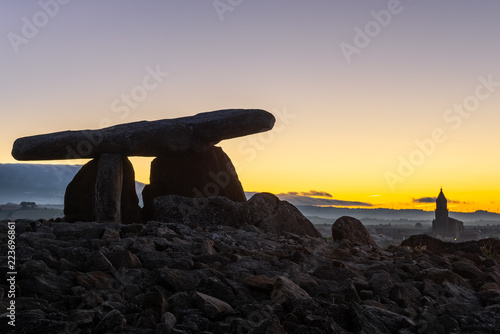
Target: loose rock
(155,279)
(352,230)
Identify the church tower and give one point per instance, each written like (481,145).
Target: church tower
(444,226)
(441,207)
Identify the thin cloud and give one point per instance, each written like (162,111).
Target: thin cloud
(457,202)
(424,200)
(433,200)
(314,193)
(308,200)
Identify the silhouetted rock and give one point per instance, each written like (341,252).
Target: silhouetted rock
(188,164)
(108,188)
(485,247)
(209,305)
(80,198)
(205,174)
(112,321)
(438,275)
(381,283)
(351,230)
(370,319)
(423,241)
(263,210)
(205,212)
(180,135)
(123,258)
(260,282)
(269,326)
(467,270)
(94,280)
(286,292)
(98,262)
(217,288)
(267,212)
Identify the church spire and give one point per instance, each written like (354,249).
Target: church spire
(441,197)
(441,207)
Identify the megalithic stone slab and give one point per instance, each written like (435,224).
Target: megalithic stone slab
(192,134)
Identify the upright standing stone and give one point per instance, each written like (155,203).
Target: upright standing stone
(83,194)
(79,199)
(108,188)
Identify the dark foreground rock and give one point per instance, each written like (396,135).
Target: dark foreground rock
(168,277)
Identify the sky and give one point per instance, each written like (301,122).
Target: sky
(380,103)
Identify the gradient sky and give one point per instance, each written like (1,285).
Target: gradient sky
(346,122)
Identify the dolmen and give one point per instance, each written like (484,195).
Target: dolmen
(187,162)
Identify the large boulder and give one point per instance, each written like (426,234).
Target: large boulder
(263,210)
(205,174)
(351,229)
(267,212)
(180,135)
(202,212)
(489,247)
(425,242)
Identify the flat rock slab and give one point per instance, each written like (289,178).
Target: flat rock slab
(156,138)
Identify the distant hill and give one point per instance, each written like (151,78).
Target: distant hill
(390,214)
(38,183)
(46,184)
(43,184)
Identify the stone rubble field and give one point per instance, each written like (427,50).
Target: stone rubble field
(206,277)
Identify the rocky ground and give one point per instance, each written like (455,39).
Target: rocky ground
(173,277)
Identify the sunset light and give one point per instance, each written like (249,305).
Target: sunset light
(370,98)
